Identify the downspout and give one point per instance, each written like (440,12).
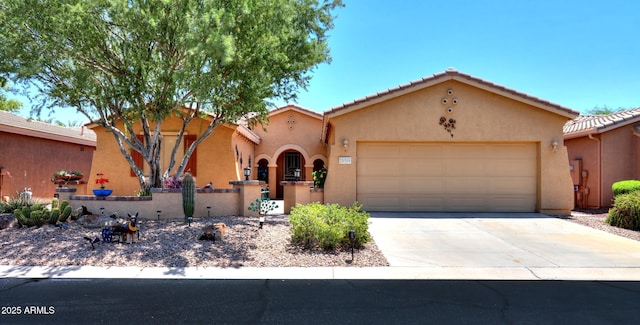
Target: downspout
(636,132)
(599,165)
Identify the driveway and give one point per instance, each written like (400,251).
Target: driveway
(500,240)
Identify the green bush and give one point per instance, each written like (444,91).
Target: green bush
(625,212)
(327,226)
(623,187)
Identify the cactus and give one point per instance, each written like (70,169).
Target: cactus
(188,195)
(54,203)
(22,219)
(38,215)
(53,217)
(66,212)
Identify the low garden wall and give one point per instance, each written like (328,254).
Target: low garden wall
(222,202)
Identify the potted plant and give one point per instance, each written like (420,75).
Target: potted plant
(102,191)
(62,176)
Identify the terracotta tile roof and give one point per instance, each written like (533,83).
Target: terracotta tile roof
(587,124)
(450,74)
(12,123)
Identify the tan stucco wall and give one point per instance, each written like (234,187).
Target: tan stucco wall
(481,116)
(216,157)
(31,162)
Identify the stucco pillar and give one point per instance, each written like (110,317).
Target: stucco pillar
(273,181)
(296,193)
(65,193)
(308,173)
(250,191)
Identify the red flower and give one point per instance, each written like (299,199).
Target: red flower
(101,180)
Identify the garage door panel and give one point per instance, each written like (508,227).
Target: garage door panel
(380,202)
(447,176)
(428,167)
(513,185)
(378,184)
(380,166)
(424,185)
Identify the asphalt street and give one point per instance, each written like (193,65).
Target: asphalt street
(73,301)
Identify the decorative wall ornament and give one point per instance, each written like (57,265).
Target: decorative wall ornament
(448,125)
(449,101)
(291,121)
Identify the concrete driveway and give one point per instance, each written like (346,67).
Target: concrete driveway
(500,242)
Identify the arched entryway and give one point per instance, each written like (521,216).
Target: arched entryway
(288,162)
(263,170)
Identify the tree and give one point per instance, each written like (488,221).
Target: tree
(8,105)
(605,110)
(121,62)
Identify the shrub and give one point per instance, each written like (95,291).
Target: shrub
(319,177)
(327,226)
(623,187)
(625,212)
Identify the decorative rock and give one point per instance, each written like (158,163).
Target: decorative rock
(8,221)
(214,232)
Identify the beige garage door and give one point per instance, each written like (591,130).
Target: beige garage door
(481,177)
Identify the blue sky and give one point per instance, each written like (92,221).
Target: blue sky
(579,54)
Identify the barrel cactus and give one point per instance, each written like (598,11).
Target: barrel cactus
(37,214)
(188,195)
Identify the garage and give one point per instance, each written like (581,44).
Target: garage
(444,176)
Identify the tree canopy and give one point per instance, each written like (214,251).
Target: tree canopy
(9,105)
(605,110)
(141,61)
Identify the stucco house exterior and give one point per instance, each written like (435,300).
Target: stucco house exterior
(448,142)
(603,149)
(31,151)
(217,160)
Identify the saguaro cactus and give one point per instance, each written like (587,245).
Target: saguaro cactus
(188,195)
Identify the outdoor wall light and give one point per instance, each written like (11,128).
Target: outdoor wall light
(352,238)
(345,144)
(296,174)
(158,213)
(209,211)
(554,145)
(247,173)
(102,212)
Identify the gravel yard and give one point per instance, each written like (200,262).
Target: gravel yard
(174,244)
(171,243)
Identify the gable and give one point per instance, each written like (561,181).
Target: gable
(470,113)
(431,91)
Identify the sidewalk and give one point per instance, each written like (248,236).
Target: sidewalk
(331,273)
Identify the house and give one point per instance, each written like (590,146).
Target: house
(603,149)
(448,142)
(31,151)
(217,160)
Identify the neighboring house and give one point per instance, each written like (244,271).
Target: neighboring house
(603,149)
(31,151)
(449,142)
